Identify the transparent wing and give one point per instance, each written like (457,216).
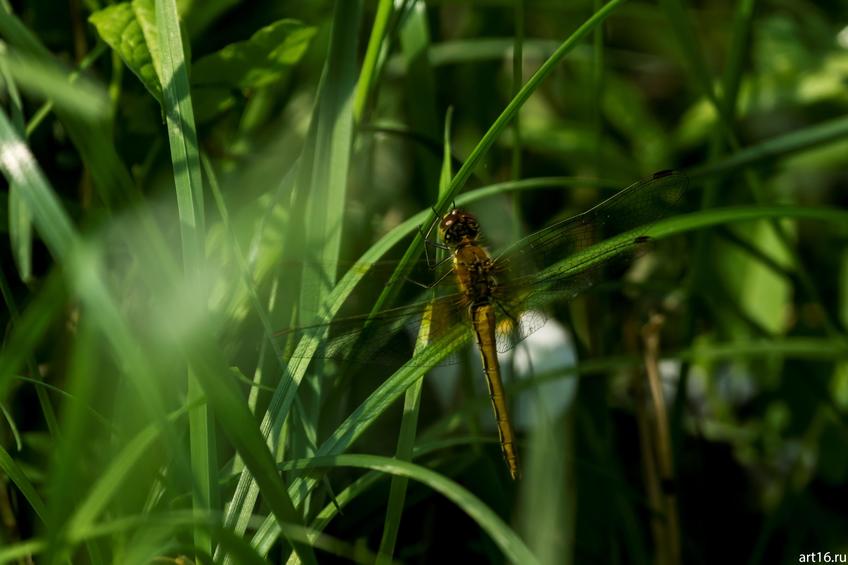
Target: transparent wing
(530,281)
(637,206)
(526,281)
(513,328)
(386,338)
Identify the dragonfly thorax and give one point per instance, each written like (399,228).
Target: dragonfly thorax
(459,226)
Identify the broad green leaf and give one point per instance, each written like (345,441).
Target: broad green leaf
(130,28)
(258,61)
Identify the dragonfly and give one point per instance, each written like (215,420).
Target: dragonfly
(500,298)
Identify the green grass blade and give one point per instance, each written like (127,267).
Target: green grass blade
(67,467)
(365,415)
(182,134)
(695,62)
(46,79)
(112,479)
(327,182)
(518,78)
(500,124)
(368,73)
(92,138)
(20,221)
(20,168)
(691,222)
(743,22)
(331,158)
(29,329)
(20,233)
(506,539)
(23,484)
(323,176)
(420,89)
(793,142)
(238,423)
(411,405)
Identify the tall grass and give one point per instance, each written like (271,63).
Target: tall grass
(164,223)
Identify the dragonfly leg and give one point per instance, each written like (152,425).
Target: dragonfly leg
(432,264)
(434,284)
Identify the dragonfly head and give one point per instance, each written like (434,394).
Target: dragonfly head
(458,225)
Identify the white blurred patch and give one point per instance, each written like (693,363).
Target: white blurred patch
(842,38)
(545,352)
(15,157)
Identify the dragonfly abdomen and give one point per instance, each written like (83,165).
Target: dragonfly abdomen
(483,319)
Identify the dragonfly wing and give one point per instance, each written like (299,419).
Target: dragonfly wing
(383,339)
(513,328)
(532,293)
(574,262)
(633,208)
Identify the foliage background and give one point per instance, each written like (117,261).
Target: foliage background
(146,400)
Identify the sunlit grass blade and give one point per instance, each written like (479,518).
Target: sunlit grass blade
(92,137)
(368,73)
(86,100)
(21,169)
(322,179)
(325,190)
(20,221)
(182,134)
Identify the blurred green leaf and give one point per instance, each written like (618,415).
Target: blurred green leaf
(210,101)
(258,61)
(759,290)
(49,80)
